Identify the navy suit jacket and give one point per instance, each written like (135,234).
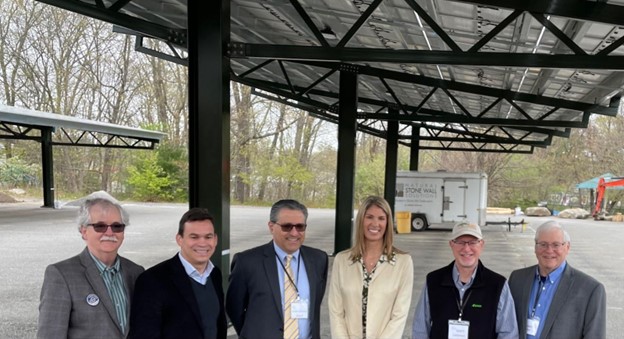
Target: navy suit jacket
(578,309)
(254,302)
(164,305)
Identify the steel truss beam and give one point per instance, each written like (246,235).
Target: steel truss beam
(175,56)
(423,114)
(477,142)
(83,138)
(595,11)
(353,54)
(99,11)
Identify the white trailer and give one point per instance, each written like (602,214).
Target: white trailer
(441,197)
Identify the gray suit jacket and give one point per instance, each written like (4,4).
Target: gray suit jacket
(254,302)
(578,308)
(64,311)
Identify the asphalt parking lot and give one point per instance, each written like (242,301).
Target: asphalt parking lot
(33,237)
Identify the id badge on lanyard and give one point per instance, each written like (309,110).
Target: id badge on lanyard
(299,309)
(458,329)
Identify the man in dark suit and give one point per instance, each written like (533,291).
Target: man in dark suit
(88,296)
(258,301)
(182,297)
(554,300)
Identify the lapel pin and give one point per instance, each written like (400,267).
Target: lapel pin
(93,299)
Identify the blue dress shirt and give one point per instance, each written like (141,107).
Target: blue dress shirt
(193,273)
(303,285)
(545,298)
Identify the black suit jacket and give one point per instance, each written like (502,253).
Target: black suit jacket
(254,302)
(164,305)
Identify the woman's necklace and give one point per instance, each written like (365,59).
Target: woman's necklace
(371,261)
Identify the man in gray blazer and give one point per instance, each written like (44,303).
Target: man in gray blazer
(88,296)
(554,300)
(257,301)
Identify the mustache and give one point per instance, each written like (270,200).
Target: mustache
(109,238)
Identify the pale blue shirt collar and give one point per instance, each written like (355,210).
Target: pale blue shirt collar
(549,288)
(193,273)
(554,275)
(303,284)
(461,287)
(282,254)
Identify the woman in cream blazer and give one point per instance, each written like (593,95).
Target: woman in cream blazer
(371,283)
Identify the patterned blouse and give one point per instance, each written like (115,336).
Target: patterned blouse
(367,278)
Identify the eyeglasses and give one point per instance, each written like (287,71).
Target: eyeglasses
(471,243)
(544,245)
(289,227)
(101,227)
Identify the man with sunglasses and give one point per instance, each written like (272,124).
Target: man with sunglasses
(553,299)
(275,290)
(465,299)
(88,296)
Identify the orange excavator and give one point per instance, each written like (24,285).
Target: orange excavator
(599,212)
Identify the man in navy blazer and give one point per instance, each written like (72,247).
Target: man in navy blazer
(553,300)
(255,297)
(182,297)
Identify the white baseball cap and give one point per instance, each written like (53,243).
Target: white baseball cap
(465,228)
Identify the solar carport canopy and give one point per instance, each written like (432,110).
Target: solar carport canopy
(484,75)
(26,124)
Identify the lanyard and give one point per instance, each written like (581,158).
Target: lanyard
(286,271)
(540,285)
(461,305)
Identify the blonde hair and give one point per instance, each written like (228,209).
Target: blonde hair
(359,247)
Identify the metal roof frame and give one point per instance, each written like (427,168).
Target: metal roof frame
(448,64)
(26,124)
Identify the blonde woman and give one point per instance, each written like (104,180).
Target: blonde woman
(371,284)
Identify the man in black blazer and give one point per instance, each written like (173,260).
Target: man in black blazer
(182,297)
(255,297)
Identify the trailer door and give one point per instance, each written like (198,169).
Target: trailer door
(454,200)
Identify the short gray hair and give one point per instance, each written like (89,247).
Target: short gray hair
(287,204)
(99,198)
(550,225)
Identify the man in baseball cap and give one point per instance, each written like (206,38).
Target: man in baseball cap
(466,228)
(465,298)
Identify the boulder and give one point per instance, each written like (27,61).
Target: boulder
(574,213)
(17,191)
(6,198)
(537,212)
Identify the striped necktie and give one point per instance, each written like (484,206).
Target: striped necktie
(291,326)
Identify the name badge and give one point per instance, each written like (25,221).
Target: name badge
(299,309)
(532,325)
(458,329)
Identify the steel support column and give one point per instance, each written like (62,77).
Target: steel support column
(347,127)
(47,167)
(415,148)
(392,149)
(209,118)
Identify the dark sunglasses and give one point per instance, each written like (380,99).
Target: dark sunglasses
(289,227)
(101,227)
